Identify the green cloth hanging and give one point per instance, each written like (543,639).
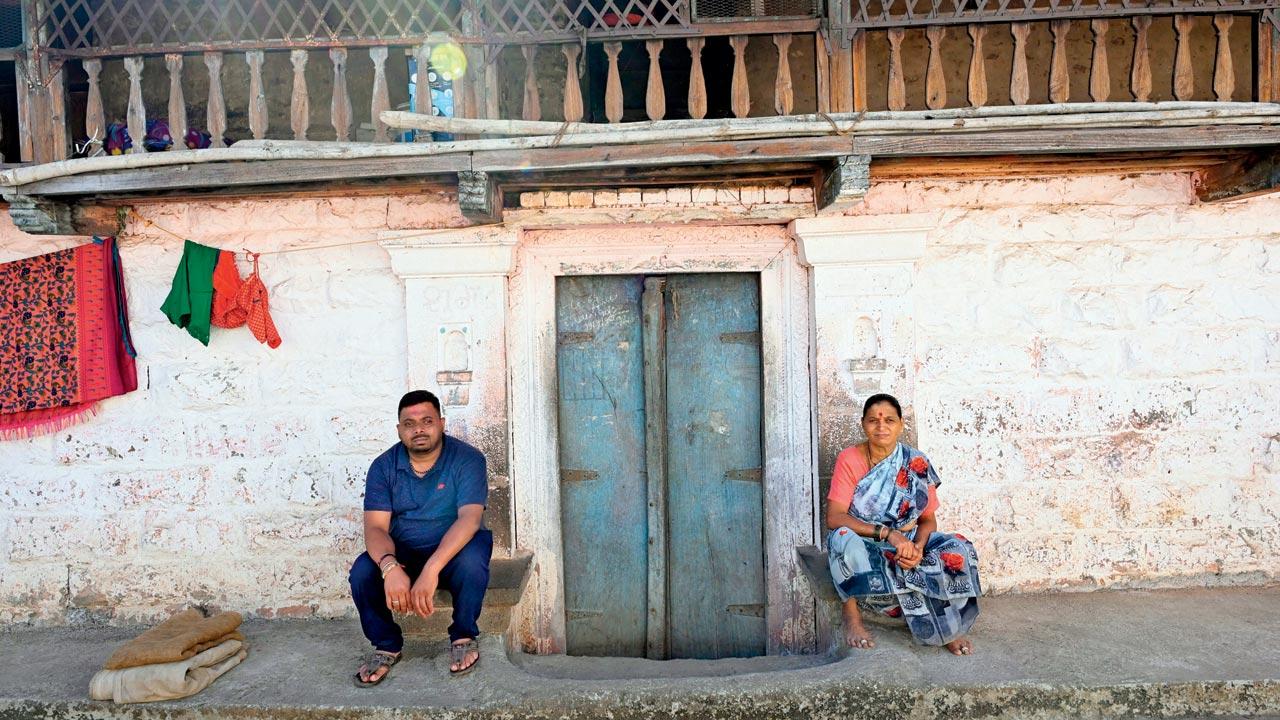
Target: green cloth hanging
(190,300)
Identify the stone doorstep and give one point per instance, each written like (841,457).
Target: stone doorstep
(508,578)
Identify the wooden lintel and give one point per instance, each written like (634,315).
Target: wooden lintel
(843,184)
(1256,173)
(997,167)
(479,197)
(591,157)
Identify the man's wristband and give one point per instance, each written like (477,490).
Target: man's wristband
(384,557)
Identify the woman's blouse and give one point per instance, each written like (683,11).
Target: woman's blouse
(851,466)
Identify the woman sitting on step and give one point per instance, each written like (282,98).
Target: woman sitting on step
(884,549)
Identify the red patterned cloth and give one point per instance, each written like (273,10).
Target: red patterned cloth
(64,338)
(252,299)
(226,287)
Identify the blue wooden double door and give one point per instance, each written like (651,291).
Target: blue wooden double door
(661,465)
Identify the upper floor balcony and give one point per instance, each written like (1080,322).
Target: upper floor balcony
(138,77)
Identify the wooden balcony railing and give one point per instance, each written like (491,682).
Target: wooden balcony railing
(254,69)
(976,53)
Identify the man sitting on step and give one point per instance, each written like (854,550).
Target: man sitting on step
(424,503)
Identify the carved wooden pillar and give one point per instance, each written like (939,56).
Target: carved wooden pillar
(935,83)
(217,115)
(739,91)
(783,94)
(94,119)
(177,101)
(340,105)
(136,115)
(531,105)
(613,84)
(1140,76)
(1184,83)
(1059,75)
(977,67)
(655,96)
(1224,74)
(1099,70)
(381,100)
(572,85)
(897,81)
(1019,84)
(299,101)
(257,95)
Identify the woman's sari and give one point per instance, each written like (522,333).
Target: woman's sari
(938,597)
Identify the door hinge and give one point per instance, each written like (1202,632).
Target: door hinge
(577,475)
(750,609)
(569,338)
(743,338)
(745,474)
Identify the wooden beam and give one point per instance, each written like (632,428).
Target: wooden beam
(42,216)
(1021,166)
(663,154)
(263,173)
(1069,141)
(843,184)
(621,177)
(242,174)
(479,197)
(1257,173)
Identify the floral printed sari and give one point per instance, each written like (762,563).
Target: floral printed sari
(938,597)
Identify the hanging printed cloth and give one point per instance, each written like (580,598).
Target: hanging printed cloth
(226,312)
(190,299)
(253,300)
(64,338)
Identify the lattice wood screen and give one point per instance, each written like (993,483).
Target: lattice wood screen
(120,27)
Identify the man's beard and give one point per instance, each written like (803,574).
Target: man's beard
(428,449)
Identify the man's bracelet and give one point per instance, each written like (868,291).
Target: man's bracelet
(388,568)
(384,557)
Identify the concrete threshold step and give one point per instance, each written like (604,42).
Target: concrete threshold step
(1132,654)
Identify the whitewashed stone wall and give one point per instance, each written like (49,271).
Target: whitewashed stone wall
(1097,376)
(1093,363)
(234,475)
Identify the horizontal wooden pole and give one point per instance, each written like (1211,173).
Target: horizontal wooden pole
(604,159)
(833,122)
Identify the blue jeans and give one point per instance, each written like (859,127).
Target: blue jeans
(466,577)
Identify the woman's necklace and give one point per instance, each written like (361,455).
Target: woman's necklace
(872,462)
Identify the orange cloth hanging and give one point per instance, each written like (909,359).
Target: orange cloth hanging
(252,299)
(227,313)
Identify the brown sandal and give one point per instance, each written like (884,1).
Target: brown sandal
(458,653)
(375,662)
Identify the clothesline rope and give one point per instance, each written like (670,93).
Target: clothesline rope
(248,254)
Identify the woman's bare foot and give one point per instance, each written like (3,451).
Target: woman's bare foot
(960,646)
(855,633)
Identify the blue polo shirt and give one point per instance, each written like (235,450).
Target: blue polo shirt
(423,508)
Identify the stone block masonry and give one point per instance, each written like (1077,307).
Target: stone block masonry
(1097,378)
(234,475)
(1092,364)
